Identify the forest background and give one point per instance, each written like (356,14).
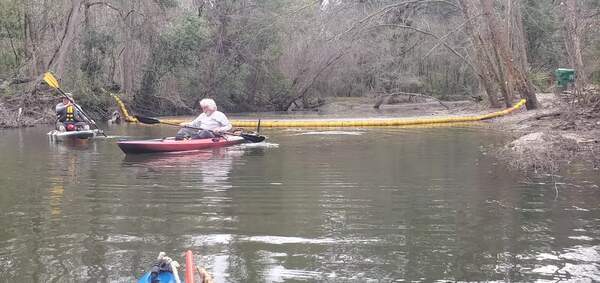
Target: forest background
(162,56)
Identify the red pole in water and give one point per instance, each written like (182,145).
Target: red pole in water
(189,267)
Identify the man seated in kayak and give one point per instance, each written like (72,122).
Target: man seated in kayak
(68,117)
(205,126)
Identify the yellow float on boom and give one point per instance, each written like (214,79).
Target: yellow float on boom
(123,109)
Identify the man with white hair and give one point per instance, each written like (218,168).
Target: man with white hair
(210,121)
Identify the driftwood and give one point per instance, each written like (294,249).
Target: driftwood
(311,106)
(542,115)
(385,97)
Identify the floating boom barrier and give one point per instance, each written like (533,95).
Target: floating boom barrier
(316,123)
(123,109)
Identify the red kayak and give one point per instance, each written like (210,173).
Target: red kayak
(172,145)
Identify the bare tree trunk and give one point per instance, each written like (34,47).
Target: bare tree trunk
(498,72)
(88,21)
(573,41)
(519,40)
(482,64)
(515,74)
(127,56)
(491,61)
(32,50)
(127,63)
(486,79)
(72,25)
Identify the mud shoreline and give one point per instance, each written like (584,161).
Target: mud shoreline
(547,139)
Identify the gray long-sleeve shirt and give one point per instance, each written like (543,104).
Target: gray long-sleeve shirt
(217,121)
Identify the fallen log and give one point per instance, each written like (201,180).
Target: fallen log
(384,98)
(541,116)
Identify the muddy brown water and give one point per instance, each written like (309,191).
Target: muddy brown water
(311,205)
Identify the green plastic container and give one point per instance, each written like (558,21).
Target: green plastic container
(564,76)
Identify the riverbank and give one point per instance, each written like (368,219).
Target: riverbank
(546,139)
(26,111)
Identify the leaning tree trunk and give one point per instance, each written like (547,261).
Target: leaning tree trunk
(484,74)
(497,70)
(57,62)
(514,72)
(519,40)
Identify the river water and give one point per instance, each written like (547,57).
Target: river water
(311,205)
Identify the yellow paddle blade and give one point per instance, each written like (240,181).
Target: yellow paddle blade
(50,80)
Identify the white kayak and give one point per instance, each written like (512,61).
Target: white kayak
(56,135)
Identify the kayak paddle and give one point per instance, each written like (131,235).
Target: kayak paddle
(53,83)
(151,121)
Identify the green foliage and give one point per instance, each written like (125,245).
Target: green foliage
(11,35)
(179,43)
(259,55)
(97,47)
(596,77)
(175,53)
(542,29)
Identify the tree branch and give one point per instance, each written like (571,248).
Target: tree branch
(430,34)
(12,45)
(88,5)
(389,7)
(459,27)
(305,89)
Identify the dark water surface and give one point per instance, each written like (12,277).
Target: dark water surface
(344,205)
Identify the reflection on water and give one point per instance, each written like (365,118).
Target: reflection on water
(352,205)
(211,167)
